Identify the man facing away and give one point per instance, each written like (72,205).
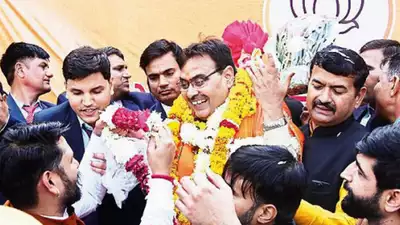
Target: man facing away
(39,173)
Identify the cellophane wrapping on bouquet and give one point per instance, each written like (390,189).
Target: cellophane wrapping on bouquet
(295,45)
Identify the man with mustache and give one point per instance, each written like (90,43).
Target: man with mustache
(26,68)
(335,89)
(388,105)
(374,53)
(162,61)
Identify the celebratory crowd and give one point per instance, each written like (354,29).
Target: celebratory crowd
(269,159)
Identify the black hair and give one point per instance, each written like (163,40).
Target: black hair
(109,50)
(26,152)
(342,62)
(84,61)
(18,51)
(158,49)
(383,144)
(272,175)
(216,49)
(379,44)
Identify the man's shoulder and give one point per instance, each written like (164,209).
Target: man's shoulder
(47,104)
(142,100)
(141,95)
(54,113)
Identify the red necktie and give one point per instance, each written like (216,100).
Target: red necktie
(31,111)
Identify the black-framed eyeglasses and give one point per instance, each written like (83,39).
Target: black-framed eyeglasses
(197,82)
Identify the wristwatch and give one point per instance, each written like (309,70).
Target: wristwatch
(275,124)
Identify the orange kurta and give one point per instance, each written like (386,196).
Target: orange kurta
(71,220)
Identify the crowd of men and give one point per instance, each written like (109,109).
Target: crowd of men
(348,173)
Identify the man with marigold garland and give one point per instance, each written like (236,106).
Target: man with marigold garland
(205,122)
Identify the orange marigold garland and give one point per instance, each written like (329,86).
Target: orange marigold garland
(241,103)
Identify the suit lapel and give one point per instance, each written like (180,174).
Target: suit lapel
(14,110)
(74,135)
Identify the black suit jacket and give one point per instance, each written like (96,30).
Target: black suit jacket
(16,113)
(64,113)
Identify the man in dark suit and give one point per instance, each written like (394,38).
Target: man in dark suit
(87,76)
(120,81)
(26,68)
(161,62)
(133,207)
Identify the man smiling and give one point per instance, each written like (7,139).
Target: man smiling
(87,78)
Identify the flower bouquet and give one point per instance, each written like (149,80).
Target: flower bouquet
(126,134)
(295,45)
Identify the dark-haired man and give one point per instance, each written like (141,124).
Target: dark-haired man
(87,77)
(373,180)
(120,81)
(39,173)
(26,68)
(263,185)
(335,89)
(374,53)
(162,61)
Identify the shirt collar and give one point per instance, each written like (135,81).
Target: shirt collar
(21,104)
(331,130)
(166,108)
(83,123)
(64,217)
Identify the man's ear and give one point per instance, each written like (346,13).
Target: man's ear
(360,96)
(19,68)
(392,201)
(266,214)
(395,85)
(47,181)
(229,75)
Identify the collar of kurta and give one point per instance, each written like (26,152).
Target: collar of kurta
(331,130)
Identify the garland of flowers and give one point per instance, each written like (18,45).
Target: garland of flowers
(241,103)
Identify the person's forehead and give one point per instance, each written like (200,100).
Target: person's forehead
(92,81)
(366,163)
(198,65)
(372,57)
(64,146)
(330,79)
(160,64)
(116,60)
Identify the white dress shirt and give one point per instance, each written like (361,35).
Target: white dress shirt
(85,136)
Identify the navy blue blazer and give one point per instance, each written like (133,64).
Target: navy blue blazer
(158,108)
(138,101)
(16,112)
(61,98)
(64,113)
